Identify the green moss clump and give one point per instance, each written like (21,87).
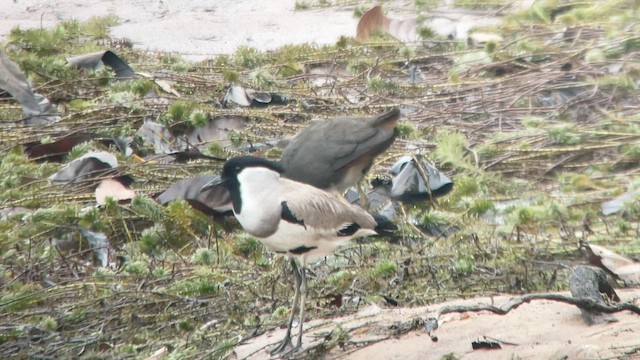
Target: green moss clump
(248,57)
(405,129)
(564,135)
(248,247)
(384,270)
(141,87)
(203,257)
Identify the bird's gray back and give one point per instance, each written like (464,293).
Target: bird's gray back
(330,146)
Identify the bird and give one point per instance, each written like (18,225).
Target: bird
(332,155)
(291,218)
(336,154)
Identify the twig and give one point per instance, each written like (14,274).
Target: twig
(431,323)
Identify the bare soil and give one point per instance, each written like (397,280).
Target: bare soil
(538,330)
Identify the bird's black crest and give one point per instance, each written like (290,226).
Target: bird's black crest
(288,216)
(349,230)
(302,249)
(235,165)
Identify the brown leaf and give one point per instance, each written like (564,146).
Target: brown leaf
(608,260)
(374,20)
(56,150)
(371,21)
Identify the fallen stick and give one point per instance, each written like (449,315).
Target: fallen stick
(431,323)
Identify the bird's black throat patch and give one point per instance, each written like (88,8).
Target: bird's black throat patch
(290,217)
(302,249)
(233,185)
(349,230)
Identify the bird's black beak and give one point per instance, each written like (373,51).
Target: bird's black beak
(218,181)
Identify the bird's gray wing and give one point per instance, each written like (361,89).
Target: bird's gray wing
(314,208)
(332,144)
(374,145)
(349,139)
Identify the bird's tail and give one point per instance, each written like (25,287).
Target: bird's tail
(387,119)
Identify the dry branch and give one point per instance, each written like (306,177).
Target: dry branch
(431,323)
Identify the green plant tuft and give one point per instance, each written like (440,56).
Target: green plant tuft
(384,270)
(203,257)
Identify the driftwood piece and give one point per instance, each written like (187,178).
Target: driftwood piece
(431,323)
(589,282)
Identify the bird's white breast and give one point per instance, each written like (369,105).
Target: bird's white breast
(261,209)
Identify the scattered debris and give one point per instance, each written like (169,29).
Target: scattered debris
(213,202)
(95,61)
(114,189)
(36,109)
(620,266)
(417,180)
(87,166)
(99,244)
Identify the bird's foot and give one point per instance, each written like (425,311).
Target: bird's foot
(284,347)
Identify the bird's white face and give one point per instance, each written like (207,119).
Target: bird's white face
(260,194)
(256,179)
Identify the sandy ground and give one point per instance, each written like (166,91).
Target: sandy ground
(538,330)
(196,29)
(201,29)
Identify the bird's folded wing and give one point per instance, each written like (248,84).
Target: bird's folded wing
(321,210)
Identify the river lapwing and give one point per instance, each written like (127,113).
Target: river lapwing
(293,219)
(336,154)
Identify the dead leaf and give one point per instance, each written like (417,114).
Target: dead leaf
(14,211)
(481,38)
(216,130)
(56,150)
(616,204)
(113,189)
(630,274)
(371,21)
(95,61)
(405,30)
(159,136)
(86,166)
(158,354)
(36,109)
(410,184)
(213,202)
(165,85)
(612,262)
(99,244)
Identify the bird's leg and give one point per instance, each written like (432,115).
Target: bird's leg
(303,295)
(364,200)
(286,342)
